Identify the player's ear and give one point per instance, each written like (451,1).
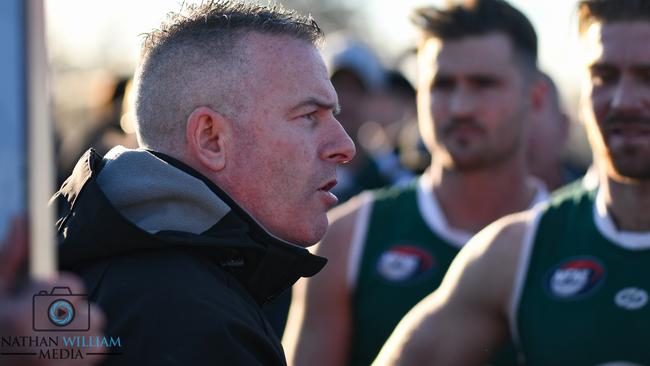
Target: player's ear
(539,93)
(207,133)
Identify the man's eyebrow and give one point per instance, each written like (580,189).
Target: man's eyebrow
(641,67)
(601,66)
(606,67)
(335,107)
(485,77)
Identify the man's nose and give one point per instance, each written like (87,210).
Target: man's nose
(340,148)
(627,97)
(462,103)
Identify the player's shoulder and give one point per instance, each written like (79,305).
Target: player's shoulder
(507,232)
(344,216)
(353,215)
(390,194)
(499,245)
(490,260)
(343,220)
(572,194)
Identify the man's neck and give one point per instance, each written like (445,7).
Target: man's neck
(552,176)
(470,200)
(628,203)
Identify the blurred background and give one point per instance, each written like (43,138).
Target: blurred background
(93,47)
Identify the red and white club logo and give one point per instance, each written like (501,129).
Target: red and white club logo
(403,262)
(575,277)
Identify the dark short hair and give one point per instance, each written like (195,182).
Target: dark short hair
(477,18)
(607,11)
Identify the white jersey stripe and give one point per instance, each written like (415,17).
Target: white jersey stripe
(359,238)
(625,239)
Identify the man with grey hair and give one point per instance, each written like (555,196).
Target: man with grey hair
(182,240)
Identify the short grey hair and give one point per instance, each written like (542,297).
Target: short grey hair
(202,40)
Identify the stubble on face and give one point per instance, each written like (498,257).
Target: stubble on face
(616,98)
(472,102)
(275,170)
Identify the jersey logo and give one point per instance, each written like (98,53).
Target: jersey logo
(575,278)
(631,298)
(403,262)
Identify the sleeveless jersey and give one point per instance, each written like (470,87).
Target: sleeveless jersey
(405,255)
(584,299)
(403,261)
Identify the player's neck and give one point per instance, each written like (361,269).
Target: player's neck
(472,200)
(628,204)
(552,176)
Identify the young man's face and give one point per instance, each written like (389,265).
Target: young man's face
(472,101)
(288,142)
(617,97)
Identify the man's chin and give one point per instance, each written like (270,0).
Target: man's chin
(306,243)
(317,235)
(467,163)
(631,174)
(307,237)
(631,167)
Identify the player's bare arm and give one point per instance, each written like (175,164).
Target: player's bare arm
(465,320)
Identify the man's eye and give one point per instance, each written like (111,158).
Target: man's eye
(311,116)
(644,76)
(484,82)
(443,84)
(600,78)
(597,79)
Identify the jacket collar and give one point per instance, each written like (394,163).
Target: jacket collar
(91,229)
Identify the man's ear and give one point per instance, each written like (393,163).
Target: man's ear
(207,134)
(539,94)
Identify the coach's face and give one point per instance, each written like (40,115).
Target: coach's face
(616,97)
(472,100)
(287,142)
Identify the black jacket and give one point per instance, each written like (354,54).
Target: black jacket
(175,297)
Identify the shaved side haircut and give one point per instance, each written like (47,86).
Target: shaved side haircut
(197,58)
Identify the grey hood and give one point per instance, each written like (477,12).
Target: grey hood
(136,200)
